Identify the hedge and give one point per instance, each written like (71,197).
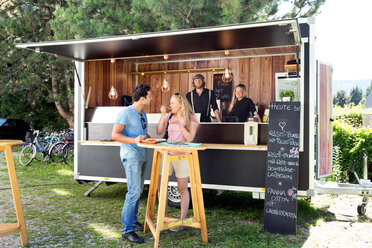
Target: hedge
(349,138)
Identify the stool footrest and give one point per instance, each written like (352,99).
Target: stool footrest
(170,222)
(178,222)
(6,229)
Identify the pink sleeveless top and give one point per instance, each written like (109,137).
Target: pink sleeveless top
(175,132)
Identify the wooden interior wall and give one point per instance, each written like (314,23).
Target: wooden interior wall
(101,76)
(257,74)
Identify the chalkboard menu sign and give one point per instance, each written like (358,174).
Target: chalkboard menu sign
(222,89)
(282,164)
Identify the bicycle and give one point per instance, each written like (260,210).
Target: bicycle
(64,149)
(39,148)
(69,146)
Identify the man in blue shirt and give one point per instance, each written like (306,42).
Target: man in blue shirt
(131,127)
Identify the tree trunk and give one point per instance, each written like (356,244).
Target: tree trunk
(68,115)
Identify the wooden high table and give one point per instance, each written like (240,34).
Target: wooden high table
(20,226)
(162,222)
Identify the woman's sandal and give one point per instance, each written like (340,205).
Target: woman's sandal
(178,228)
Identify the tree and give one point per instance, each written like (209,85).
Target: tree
(86,19)
(41,83)
(356,95)
(303,8)
(341,98)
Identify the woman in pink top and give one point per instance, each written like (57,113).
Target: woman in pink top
(182,127)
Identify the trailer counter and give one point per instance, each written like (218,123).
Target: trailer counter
(209,145)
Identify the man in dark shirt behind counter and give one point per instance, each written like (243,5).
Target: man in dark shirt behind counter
(201,99)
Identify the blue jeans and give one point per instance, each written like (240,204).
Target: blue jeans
(135,173)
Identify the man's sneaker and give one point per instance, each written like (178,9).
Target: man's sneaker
(133,237)
(138,226)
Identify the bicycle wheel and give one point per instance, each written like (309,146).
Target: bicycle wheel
(27,154)
(56,152)
(40,149)
(69,152)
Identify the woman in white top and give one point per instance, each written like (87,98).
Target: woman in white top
(182,126)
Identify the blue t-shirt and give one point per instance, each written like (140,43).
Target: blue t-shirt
(133,127)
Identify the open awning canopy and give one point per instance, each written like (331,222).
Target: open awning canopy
(272,37)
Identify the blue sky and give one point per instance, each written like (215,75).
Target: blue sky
(344,38)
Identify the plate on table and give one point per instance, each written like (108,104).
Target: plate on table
(153,141)
(177,142)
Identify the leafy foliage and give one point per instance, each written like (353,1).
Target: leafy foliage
(288,93)
(351,115)
(338,175)
(303,8)
(26,77)
(351,139)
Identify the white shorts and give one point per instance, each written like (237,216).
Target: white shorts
(180,167)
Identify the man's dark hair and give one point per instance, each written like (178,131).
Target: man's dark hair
(140,91)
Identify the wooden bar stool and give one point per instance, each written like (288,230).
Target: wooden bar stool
(20,226)
(162,222)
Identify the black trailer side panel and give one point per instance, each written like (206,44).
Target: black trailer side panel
(100,161)
(239,168)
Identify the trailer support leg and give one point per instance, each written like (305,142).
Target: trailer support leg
(93,188)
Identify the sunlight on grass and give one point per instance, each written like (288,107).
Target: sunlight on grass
(61,192)
(65,172)
(105,231)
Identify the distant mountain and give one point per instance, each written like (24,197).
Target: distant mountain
(347,85)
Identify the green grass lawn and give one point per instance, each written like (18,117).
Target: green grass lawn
(58,215)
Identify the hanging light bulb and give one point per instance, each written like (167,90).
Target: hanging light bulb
(227,76)
(165,87)
(113,94)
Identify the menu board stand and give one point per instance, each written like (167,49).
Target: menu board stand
(280,210)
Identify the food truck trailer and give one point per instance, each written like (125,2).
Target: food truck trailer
(267,57)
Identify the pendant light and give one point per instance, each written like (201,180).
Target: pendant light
(113,94)
(227,76)
(165,87)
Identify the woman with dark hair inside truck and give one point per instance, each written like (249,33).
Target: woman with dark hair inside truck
(182,125)
(242,106)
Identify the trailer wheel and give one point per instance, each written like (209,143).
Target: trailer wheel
(174,197)
(362,209)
